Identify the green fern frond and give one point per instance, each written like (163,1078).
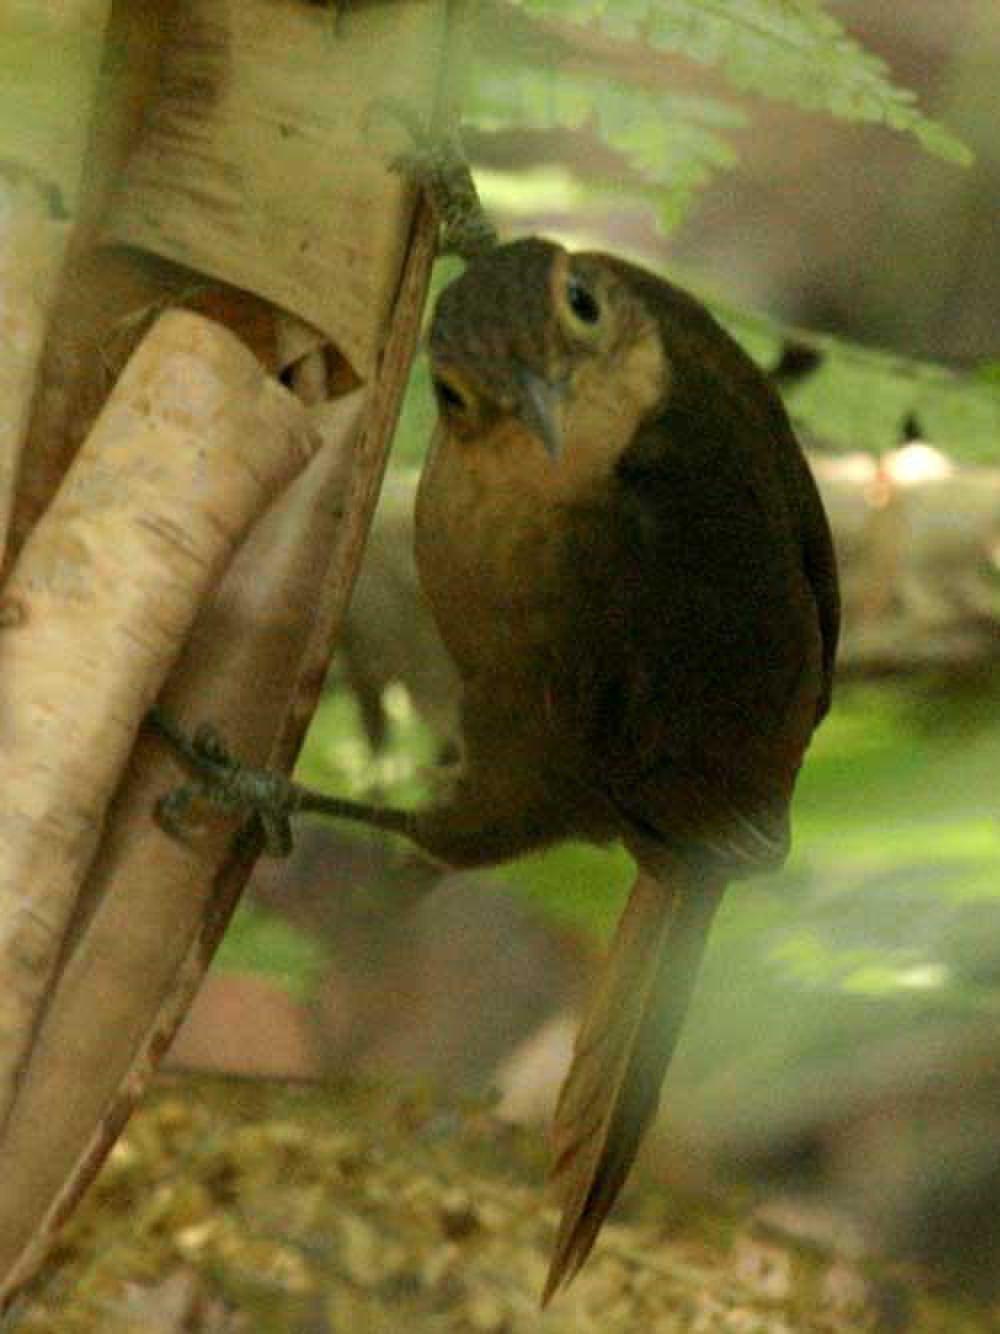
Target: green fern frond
(672,142)
(792,50)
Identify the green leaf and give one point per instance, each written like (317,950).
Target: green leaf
(790,50)
(859,396)
(672,142)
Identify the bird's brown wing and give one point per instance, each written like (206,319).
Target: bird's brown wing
(721,406)
(723,590)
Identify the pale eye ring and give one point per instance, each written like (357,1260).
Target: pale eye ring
(582,302)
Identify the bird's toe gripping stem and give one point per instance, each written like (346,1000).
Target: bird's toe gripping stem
(221,782)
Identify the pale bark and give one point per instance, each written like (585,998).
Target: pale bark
(263,163)
(110,923)
(153,910)
(192,444)
(135,952)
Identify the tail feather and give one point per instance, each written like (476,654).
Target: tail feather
(624,1046)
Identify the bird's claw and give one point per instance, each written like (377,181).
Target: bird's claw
(208,745)
(223,783)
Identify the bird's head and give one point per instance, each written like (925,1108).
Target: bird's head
(556,343)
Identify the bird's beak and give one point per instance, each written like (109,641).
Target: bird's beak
(540,408)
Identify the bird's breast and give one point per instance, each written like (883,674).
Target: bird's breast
(491,555)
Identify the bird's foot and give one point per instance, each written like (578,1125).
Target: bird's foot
(438,164)
(221,782)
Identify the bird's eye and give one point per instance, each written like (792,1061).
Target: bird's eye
(449,396)
(582,302)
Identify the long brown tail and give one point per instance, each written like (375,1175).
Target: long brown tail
(622,1051)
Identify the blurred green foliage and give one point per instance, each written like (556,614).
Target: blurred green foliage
(673,141)
(262,942)
(880,931)
(895,866)
(859,397)
(790,50)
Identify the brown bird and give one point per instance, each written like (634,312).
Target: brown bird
(629,563)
